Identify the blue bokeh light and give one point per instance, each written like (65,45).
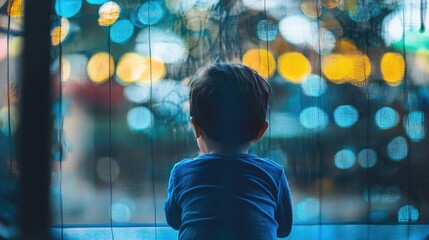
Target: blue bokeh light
(307,210)
(137,93)
(408,213)
(121,31)
(96,2)
(386,118)
(345,159)
(150,12)
(397,149)
(67,8)
(346,116)
(391,194)
(121,212)
(313,118)
(367,158)
(139,118)
(414,124)
(314,86)
(266,30)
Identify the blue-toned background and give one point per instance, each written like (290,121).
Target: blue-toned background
(348,116)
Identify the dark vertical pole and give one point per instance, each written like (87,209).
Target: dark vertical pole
(35,122)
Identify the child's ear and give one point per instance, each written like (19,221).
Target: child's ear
(197,129)
(261,132)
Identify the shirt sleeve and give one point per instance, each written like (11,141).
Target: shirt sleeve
(173,212)
(283,214)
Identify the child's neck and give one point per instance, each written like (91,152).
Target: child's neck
(241,149)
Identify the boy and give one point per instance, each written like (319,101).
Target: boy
(227,193)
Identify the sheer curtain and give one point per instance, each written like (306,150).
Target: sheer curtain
(348,115)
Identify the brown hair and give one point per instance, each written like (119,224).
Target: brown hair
(229,102)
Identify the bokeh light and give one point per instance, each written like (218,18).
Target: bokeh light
(313,118)
(16,8)
(96,2)
(346,116)
(67,8)
(397,148)
(139,118)
(352,68)
(261,5)
(59,33)
(307,210)
(297,29)
(386,117)
(108,13)
(121,31)
(154,70)
(391,194)
(78,63)
(284,125)
(345,159)
(121,212)
(16,46)
(408,213)
(137,93)
(409,17)
(107,169)
(170,91)
(131,67)
(414,124)
(98,67)
(294,67)
(65,69)
(367,158)
(261,61)
(266,30)
(151,12)
(165,45)
(314,86)
(3,46)
(312,9)
(392,68)
(4,120)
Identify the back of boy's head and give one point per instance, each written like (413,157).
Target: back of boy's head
(229,102)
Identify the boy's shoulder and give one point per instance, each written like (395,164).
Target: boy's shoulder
(252,159)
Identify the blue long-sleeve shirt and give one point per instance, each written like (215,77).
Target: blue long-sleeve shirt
(237,196)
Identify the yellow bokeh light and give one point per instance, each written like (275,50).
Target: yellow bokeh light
(351,68)
(131,68)
(98,67)
(345,46)
(153,70)
(294,67)
(16,8)
(108,13)
(65,69)
(392,68)
(16,46)
(134,68)
(62,30)
(261,61)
